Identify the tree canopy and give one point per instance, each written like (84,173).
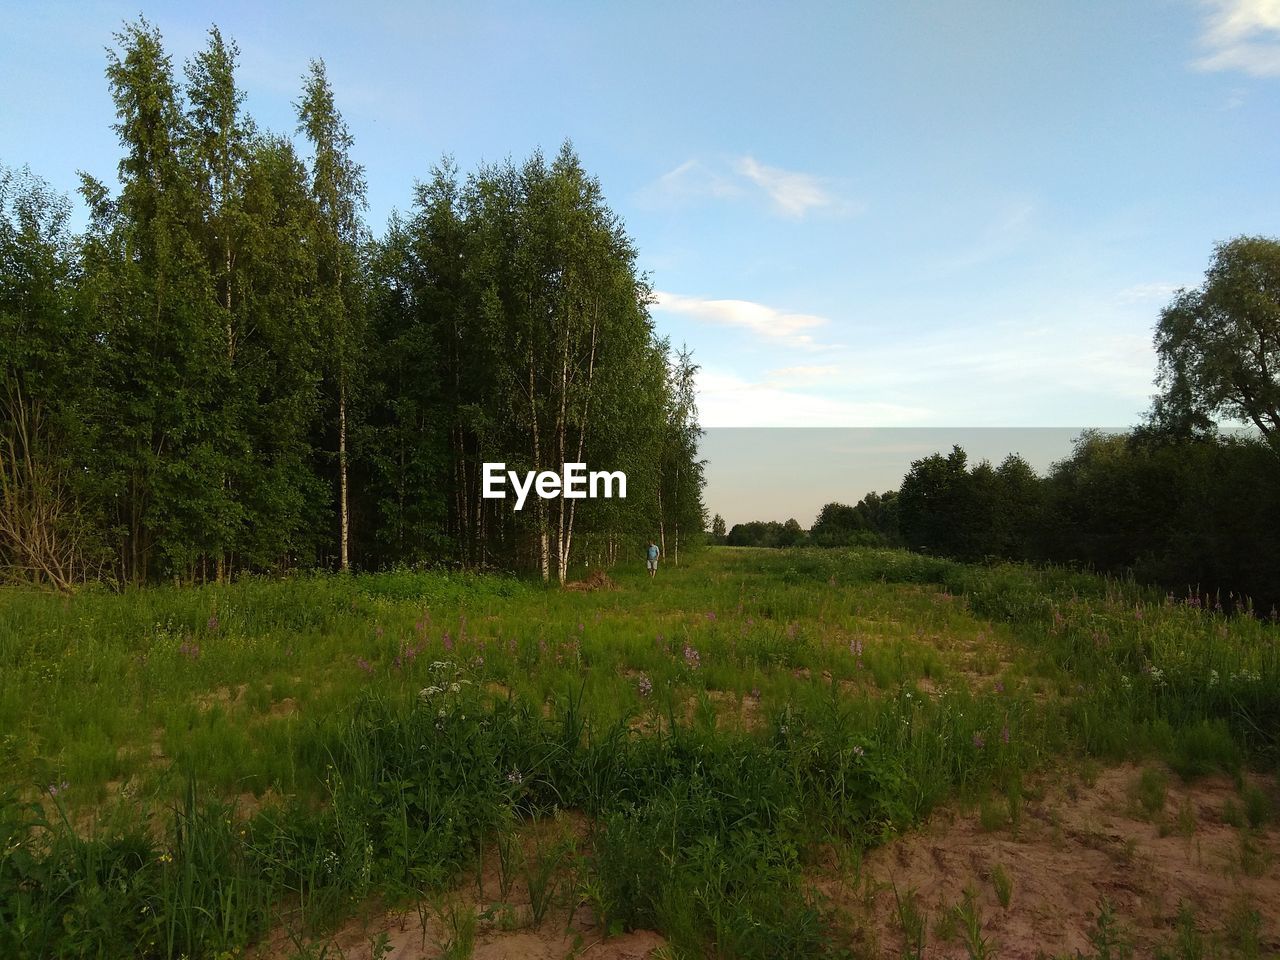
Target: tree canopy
(227,372)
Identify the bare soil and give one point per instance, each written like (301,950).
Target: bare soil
(1078,845)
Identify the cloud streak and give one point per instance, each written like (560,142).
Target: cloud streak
(790,193)
(792,329)
(728,400)
(1242,35)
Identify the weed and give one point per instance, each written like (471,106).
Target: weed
(1003,885)
(992,815)
(1107,937)
(912,920)
(457,922)
(969,918)
(1151,792)
(1257,806)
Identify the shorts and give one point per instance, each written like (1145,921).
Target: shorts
(653,564)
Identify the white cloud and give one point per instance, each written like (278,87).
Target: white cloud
(792,194)
(727,400)
(792,329)
(1242,35)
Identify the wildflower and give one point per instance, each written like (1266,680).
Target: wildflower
(1213,678)
(447,641)
(855,647)
(999,686)
(364,665)
(515,777)
(645,685)
(212,625)
(581,627)
(57,788)
(692,659)
(978,741)
(711,615)
(165,858)
(858,751)
(755,694)
(1004,734)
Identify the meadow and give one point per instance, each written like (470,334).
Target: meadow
(249,769)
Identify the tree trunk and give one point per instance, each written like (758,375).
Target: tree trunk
(344,557)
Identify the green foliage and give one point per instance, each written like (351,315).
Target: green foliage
(1213,343)
(225,374)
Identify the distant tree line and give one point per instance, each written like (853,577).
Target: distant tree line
(226,372)
(1174,502)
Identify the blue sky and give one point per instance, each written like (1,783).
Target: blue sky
(891,214)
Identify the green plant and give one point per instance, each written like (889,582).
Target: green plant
(1107,937)
(1257,806)
(1151,792)
(457,922)
(969,917)
(912,920)
(1003,885)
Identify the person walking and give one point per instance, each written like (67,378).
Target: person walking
(653,559)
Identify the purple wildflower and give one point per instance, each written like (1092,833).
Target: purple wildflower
(692,659)
(213,623)
(978,741)
(1004,734)
(447,641)
(364,665)
(645,685)
(57,788)
(755,694)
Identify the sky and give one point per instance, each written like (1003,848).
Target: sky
(909,214)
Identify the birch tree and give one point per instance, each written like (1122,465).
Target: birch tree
(338,187)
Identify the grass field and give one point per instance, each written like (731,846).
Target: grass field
(245,768)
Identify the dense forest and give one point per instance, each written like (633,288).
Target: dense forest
(1175,502)
(225,372)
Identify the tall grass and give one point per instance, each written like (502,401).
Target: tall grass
(397,725)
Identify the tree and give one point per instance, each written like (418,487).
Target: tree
(717,529)
(1219,346)
(837,525)
(159,335)
(48,531)
(338,187)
